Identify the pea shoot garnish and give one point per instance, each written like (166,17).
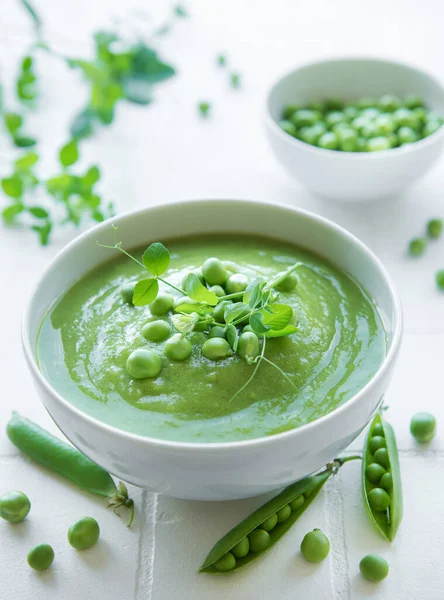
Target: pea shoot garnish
(120,70)
(440,279)
(238,314)
(221,60)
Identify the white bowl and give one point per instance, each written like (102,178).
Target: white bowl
(353,176)
(216,471)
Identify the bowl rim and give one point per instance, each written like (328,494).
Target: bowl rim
(342,155)
(159,443)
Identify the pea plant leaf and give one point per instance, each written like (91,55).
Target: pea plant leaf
(197,291)
(232,334)
(38,212)
(69,154)
(13,186)
(12,211)
(12,121)
(92,176)
(156,258)
(275,333)
(24,141)
(185,323)
(190,307)
(253,294)
(276,316)
(145,291)
(234,311)
(25,162)
(257,324)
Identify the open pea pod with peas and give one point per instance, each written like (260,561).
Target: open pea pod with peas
(260,531)
(381,479)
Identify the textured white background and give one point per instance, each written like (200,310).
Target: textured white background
(166,152)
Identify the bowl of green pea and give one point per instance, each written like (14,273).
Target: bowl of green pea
(356,129)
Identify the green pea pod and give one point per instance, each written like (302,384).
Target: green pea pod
(65,460)
(385,521)
(304,491)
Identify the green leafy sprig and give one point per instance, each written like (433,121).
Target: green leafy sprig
(117,72)
(257,305)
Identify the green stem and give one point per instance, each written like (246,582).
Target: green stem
(283,373)
(235,295)
(343,460)
(276,281)
(118,247)
(172,286)
(250,379)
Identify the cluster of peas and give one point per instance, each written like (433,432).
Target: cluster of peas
(143,363)
(368,125)
(418,246)
(378,472)
(315,546)
(82,534)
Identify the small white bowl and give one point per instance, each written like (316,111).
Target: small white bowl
(351,176)
(217,471)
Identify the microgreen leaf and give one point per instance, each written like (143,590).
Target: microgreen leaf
(69,154)
(13,122)
(234,311)
(145,291)
(13,186)
(277,316)
(156,258)
(59,185)
(43,232)
(24,141)
(185,323)
(253,294)
(12,211)
(196,291)
(221,60)
(38,212)
(257,324)
(92,176)
(146,64)
(232,334)
(190,307)
(26,161)
(288,330)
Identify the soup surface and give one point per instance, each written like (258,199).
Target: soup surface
(86,338)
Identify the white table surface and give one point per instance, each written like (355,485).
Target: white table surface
(166,152)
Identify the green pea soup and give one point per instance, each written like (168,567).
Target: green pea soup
(86,337)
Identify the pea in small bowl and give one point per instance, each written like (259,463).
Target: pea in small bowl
(353,176)
(214,470)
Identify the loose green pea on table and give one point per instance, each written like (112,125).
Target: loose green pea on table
(14,506)
(365,125)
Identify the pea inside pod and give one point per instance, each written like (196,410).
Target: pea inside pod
(266,525)
(381,479)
